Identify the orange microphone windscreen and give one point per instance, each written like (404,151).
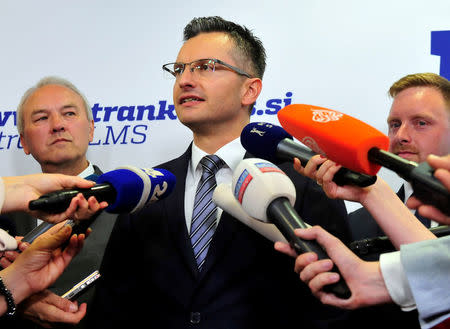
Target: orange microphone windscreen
(339,137)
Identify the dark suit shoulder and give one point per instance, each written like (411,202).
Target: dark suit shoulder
(363,225)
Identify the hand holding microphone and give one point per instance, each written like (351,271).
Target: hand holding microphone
(359,147)
(267,194)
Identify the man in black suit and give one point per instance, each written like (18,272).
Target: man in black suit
(55,124)
(419,125)
(152,272)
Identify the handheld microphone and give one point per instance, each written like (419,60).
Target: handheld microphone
(359,147)
(266,193)
(273,143)
(223,197)
(45,226)
(382,244)
(126,189)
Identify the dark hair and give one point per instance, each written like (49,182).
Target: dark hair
(248,45)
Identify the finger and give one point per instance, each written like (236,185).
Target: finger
(434,214)
(439,161)
(413,203)
(285,248)
(318,282)
(311,166)
(51,241)
(74,181)
(4,262)
(11,255)
(314,269)
(298,166)
(444,176)
(332,169)
(304,260)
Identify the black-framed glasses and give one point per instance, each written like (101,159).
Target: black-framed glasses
(203,67)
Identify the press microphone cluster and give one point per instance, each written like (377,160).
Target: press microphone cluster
(266,193)
(273,143)
(359,147)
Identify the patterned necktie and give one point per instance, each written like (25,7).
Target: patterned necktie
(204,215)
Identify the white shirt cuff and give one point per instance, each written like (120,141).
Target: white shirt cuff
(396,280)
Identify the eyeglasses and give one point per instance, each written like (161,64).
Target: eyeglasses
(203,67)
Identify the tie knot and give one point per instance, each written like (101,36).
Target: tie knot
(211,163)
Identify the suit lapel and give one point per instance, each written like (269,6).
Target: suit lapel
(174,206)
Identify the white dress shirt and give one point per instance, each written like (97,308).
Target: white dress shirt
(231,153)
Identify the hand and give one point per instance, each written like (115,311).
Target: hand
(324,177)
(8,257)
(79,209)
(41,263)
(19,190)
(47,309)
(363,278)
(442,172)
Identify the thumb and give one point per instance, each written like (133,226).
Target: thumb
(53,241)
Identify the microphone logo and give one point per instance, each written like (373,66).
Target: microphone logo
(152,172)
(268,167)
(311,143)
(241,185)
(324,116)
(256,131)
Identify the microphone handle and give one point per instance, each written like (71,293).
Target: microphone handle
(287,149)
(382,244)
(59,201)
(284,216)
(427,188)
(38,230)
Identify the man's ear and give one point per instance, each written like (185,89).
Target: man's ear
(24,145)
(251,90)
(91,131)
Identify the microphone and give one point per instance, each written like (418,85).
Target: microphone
(273,143)
(359,147)
(382,244)
(126,189)
(223,197)
(45,226)
(267,194)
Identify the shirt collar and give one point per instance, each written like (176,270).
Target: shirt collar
(88,171)
(231,153)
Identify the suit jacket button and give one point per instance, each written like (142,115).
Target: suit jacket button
(195,317)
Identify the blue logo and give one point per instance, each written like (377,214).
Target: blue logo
(440,46)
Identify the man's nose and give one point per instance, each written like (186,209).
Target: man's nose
(57,123)
(402,134)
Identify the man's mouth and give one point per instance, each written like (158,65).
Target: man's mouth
(190,99)
(60,140)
